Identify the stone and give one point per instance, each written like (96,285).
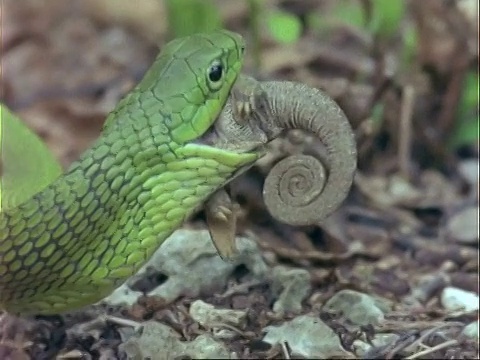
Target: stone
(471,330)
(455,299)
(307,336)
(192,266)
(160,342)
(290,286)
(358,308)
(379,341)
(207,315)
(463,226)
(122,296)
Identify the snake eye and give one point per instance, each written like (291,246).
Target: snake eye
(215,71)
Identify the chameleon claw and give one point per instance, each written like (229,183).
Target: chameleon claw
(221,223)
(224,212)
(221,216)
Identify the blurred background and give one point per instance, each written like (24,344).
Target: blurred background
(404,72)
(70,61)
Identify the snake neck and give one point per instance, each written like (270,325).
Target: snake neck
(115,205)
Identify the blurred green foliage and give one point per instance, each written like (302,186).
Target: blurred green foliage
(410,45)
(467,125)
(284,27)
(377,114)
(346,12)
(186,17)
(386,17)
(382,19)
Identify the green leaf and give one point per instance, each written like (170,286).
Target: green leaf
(386,16)
(27,166)
(377,115)
(467,127)
(469,97)
(186,17)
(284,27)
(410,45)
(343,12)
(466,133)
(349,12)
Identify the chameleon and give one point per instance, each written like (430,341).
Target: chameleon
(170,146)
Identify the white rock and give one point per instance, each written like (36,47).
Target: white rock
(358,308)
(471,330)
(207,315)
(470,168)
(122,296)
(190,261)
(290,286)
(160,342)
(455,299)
(469,8)
(379,340)
(463,226)
(307,336)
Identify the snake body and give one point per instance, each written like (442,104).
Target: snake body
(76,240)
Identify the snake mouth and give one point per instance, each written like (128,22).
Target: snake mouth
(226,134)
(236,128)
(210,138)
(215,139)
(230,137)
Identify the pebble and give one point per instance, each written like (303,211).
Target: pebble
(455,299)
(290,286)
(307,336)
(379,341)
(471,330)
(158,341)
(209,316)
(358,308)
(463,226)
(470,169)
(122,296)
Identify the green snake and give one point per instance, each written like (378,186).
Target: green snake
(188,128)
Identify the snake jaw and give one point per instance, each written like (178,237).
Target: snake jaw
(237,128)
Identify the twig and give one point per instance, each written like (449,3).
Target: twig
(425,335)
(397,325)
(294,254)
(122,321)
(433,349)
(239,289)
(401,345)
(405,135)
(212,325)
(286,353)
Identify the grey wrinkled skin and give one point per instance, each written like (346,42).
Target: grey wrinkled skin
(300,189)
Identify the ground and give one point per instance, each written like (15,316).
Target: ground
(393,273)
